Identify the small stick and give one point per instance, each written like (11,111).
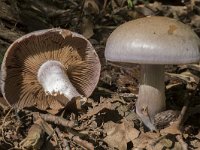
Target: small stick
(56,120)
(180,119)
(83,143)
(65,144)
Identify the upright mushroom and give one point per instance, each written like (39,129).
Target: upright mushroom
(152,42)
(48,68)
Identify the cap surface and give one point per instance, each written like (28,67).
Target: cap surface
(153,40)
(24,57)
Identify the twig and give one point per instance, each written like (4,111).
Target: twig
(65,144)
(82,143)
(104,5)
(180,121)
(56,120)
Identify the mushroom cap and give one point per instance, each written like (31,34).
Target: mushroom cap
(153,40)
(24,57)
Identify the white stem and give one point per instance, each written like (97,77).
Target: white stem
(54,80)
(151,98)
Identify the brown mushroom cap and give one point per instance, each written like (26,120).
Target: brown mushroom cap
(24,57)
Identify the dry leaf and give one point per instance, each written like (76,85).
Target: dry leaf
(145,140)
(164,143)
(97,109)
(195,21)
(87,28)
(173,85)
(194,66)
(3,103)
(145,11)
(196,142)
(118,135)
(172,129)
(188,77)
(91,6)
(35,137)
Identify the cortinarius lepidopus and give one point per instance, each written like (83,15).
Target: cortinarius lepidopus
(48,68)
(152,42)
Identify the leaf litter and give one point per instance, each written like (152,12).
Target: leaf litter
(107,120)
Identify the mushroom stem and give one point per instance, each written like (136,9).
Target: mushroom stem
(54,80)
(151,98)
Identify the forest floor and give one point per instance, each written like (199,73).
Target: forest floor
(108,119)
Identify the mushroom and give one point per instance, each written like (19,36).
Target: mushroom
(48,68)
(152,42)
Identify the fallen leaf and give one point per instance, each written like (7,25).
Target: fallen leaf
(3,103)
(118,135)
(35,137)
(145,140)
(172,129)
(91,6)
(97,109)
(164,143)
(188,77)
(195,143)
(194,66)
(87,28)
(195,21)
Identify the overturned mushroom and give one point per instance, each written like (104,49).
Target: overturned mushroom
(152,42)
(48,68)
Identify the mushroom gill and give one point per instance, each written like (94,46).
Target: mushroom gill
(27,54)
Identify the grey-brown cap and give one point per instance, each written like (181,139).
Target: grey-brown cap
(24,57)
(153,40)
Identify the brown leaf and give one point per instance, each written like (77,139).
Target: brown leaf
(172,129)
(35,137)
(195,21)
(145,140)
(4,104)
(87,28)
(162,144)
(188,77)
(196,142)
(97,109)
(118,135)
(195,66)
(91,6)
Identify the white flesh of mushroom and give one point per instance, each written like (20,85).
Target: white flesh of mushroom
(54,80)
